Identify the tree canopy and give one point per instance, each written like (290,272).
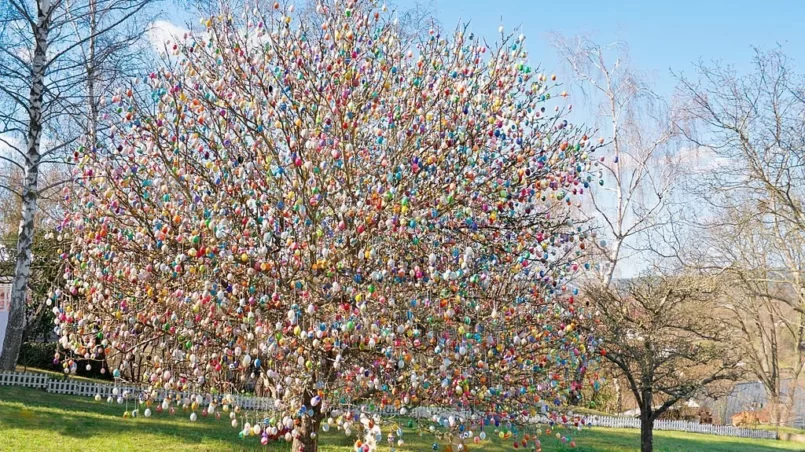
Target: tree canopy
(349,216)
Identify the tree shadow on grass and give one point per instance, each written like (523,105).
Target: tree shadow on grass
(44,414)
(78,426)
(611,440)
(84,418)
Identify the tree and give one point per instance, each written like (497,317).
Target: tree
(46,270)
(762,270)
(750,129)
(640,170)
(54,56)
(654,330)
(48,208)
(352,217)
(640,174)
(754,124)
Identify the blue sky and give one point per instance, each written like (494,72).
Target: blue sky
(660,34)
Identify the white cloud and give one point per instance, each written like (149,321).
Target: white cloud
(701,159)
(161,32)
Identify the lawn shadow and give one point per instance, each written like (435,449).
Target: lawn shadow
(81,418)
(611,440)
(84,418)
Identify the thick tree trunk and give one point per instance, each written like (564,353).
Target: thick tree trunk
(23,257)
(647,419)
(304,442)
(646,433)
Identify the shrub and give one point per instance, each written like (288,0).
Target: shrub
(40,355)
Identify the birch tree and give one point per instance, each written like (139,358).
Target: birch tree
(55,55)
(639,166)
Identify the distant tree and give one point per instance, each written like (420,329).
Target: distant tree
(661,332)
(762,270)
(750,129)
(47,263)
(46,274)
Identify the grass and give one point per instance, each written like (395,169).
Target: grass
(774,428)
(33,420)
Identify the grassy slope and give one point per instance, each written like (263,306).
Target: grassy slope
(32,420)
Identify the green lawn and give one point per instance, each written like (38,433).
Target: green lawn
(33,420)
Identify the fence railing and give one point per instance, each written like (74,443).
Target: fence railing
(681,426)
(26,379)
(91,389)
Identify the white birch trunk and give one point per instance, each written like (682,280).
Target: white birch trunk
(23,256)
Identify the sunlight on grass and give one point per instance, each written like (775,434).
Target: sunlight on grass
(33,420)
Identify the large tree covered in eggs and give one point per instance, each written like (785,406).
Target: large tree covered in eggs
(347,216)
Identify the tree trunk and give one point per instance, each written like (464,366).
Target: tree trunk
(646,433)
(23,256)
(775,410)
(304,442)
(647,419)
(788,407)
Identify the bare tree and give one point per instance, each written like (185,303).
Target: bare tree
(753,127)
(48,205)
(657,336)
(639,176)
(762,271)
(46,262)
(55,60)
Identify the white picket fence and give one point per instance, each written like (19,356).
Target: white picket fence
(26,379)
(90,389)
(681,426)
